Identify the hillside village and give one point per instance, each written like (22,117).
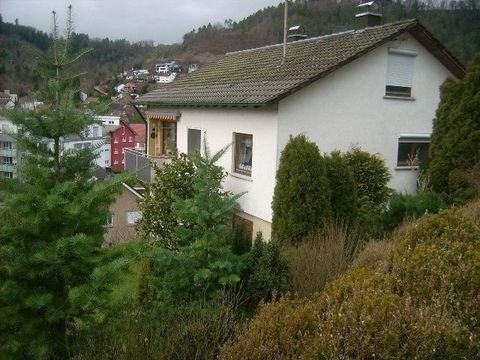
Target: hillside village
(316,198)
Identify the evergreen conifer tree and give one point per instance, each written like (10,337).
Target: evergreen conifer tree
(301,200)
(455,145)
(52,273)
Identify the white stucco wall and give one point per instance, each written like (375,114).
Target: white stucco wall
(347,108)
(219,125)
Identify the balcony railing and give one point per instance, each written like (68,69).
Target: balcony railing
(141,164)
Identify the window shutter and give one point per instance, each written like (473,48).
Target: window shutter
(400,68)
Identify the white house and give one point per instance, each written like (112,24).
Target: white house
(376,88)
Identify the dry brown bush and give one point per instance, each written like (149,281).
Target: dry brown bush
(321,257)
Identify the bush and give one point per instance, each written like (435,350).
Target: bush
(375,256)
(172,181)
(342,184)
(280,330)
(456,135)
(268,272)
(404,207)
(423,305)
(193,331)
(438,262)
(361,317)
(371,178)
(321,257)
(301,200)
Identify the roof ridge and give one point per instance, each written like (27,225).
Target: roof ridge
(322,36)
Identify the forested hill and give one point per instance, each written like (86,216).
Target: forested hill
(455,23)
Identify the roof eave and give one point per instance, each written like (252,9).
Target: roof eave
(202,105)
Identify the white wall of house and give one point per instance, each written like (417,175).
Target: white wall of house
(347,108)
(219,125)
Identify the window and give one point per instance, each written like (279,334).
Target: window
(133,217)
(109,220)
(399,73)
(124,138)
(194,141)
(243,153)
(115,162)
(6,145)
(95,131)
(130,139)
(123,150)
(412,150)
(115,140)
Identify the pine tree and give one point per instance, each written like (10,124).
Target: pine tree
(52,273)
(301,200)
(456,135)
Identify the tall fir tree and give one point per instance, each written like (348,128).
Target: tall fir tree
(301,200)
(53,277)
(455,145)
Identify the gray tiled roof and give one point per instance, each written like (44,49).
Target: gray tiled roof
(257,77)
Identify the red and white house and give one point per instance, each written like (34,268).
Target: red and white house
(121,138)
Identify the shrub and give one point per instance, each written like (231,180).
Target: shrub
(344,193)
(268,272)
(301,200)
(321,257)
(192,331)
(404,207)
(438,261)
(375,256)
(361,317)
(371,178)
(280,330)
(456,135)
(172,181)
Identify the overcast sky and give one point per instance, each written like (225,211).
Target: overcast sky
(159,20)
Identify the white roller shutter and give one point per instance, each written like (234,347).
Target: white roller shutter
(400,67)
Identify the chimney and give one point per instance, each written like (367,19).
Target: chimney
(368,14)
(296,32)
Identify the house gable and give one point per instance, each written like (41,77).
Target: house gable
(349,108)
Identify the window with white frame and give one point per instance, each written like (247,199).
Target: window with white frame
(124,139)
(412,150)
(115,140)
(400,73)
(243,153)
(115,151)
(95,131)
(130,139)
(133,217)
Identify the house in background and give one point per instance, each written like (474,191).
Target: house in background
(140,136)
(7,99)
(124,214)
(122,138)
(10,155)
(376,88)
